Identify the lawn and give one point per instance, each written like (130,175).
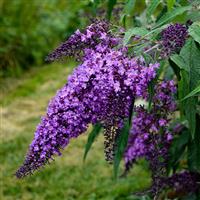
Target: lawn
(23,101)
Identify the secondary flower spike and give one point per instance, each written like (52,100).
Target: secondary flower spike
(173,38)
(149,137)
(184,182)
(147,124)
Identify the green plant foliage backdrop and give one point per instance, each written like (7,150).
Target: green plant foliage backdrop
(30,29)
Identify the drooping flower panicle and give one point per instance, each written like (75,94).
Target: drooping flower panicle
(173,38)
(100,90)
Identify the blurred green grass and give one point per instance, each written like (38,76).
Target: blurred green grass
(30,29)
(23,101)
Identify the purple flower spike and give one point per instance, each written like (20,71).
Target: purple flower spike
(149,137)
(100,90)
(173,38)
(184,182)
(147,124)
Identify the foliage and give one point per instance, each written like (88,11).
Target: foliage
(91,138)
(119,66)
(29,30)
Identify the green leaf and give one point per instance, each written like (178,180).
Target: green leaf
(194,148)
(172,14)
(189,105)
(183,89)
(190,77)
(91,138)
(178,60)
(128,9)
(191,94)
(178,147)
(129,6)
(152,35)
(144,33)
(151,92)
(176,69)
(190,54)
(194,156)
(122,141)
(194,31)
(153,4)
(111,4)
(170,4)
(134,31)
(95,4)
(194,16)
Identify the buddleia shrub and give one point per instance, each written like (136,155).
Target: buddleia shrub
(151,55)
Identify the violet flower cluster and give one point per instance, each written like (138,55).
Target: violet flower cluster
(149,136)
(94,34)
(184,182)
(173,38)
(146,126)
(100,90)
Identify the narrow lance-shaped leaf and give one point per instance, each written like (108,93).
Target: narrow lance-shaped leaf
(122,141)
(172,14)
(134,31)
(176,69)
(111,4)
(194,148)
(190,54)
(194,31)
(151,93)
(178,147)
(153,4)
(91,138)
(170,4)
(95,5)
(178,60)
(193,93)
(156,31)
(128,8)
(190,111)
(143,32)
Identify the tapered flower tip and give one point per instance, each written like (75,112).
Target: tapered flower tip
(25,170)
(49,139)
(31,164)
(21,172)
(94,34)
